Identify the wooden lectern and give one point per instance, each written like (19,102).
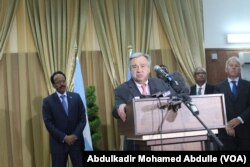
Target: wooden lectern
(153,127)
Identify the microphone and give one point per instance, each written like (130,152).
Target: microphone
(178,84)
(161,72)
(161,94)
(176,80)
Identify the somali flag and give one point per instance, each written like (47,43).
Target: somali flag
(79,88)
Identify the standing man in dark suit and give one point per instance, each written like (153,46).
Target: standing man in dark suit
(139,85)
(201,87)
(64,118)
(236,135)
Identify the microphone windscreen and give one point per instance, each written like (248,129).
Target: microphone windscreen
(156,67)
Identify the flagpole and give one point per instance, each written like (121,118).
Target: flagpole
(76,51)
(130,52)
(79,88)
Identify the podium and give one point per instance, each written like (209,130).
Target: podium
(152,127)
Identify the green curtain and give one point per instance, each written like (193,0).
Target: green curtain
(118,24)
(183,25)
(58,27)
(7,13)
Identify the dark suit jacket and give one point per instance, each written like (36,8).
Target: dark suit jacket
(59,124)
(209,89)
(237,106)
(128,90)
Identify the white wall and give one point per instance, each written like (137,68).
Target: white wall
(222,17)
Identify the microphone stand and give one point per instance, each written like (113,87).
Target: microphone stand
(186,100)
(195,113)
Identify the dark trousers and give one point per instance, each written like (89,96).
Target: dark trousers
(130,145)
(235,144)
(60,160)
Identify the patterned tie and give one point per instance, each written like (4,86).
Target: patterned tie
(144,89)
(199,90)
(64,104)
(234,88)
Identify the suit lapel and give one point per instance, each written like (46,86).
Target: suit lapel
(153,88)
(69,98)
(207,90)
(133,88)
(240,87)
(194,90)
(59,103)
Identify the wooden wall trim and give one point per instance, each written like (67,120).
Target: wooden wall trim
(216,67)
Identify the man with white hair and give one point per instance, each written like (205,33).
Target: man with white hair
(236,135)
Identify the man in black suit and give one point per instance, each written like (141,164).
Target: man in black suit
(201,87)
(236,135)
(64,118)
(139,85)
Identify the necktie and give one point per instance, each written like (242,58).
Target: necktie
(64,104)
(144,89)
(199,91)
(234,88)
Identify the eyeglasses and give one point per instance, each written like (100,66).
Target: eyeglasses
(202,73)
(60,82)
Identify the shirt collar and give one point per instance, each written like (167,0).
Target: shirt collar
(59,94)
(202,86)
(138,85)
(236,79)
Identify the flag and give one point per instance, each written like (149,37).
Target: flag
(130,52)
(79,88)
(129,74)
